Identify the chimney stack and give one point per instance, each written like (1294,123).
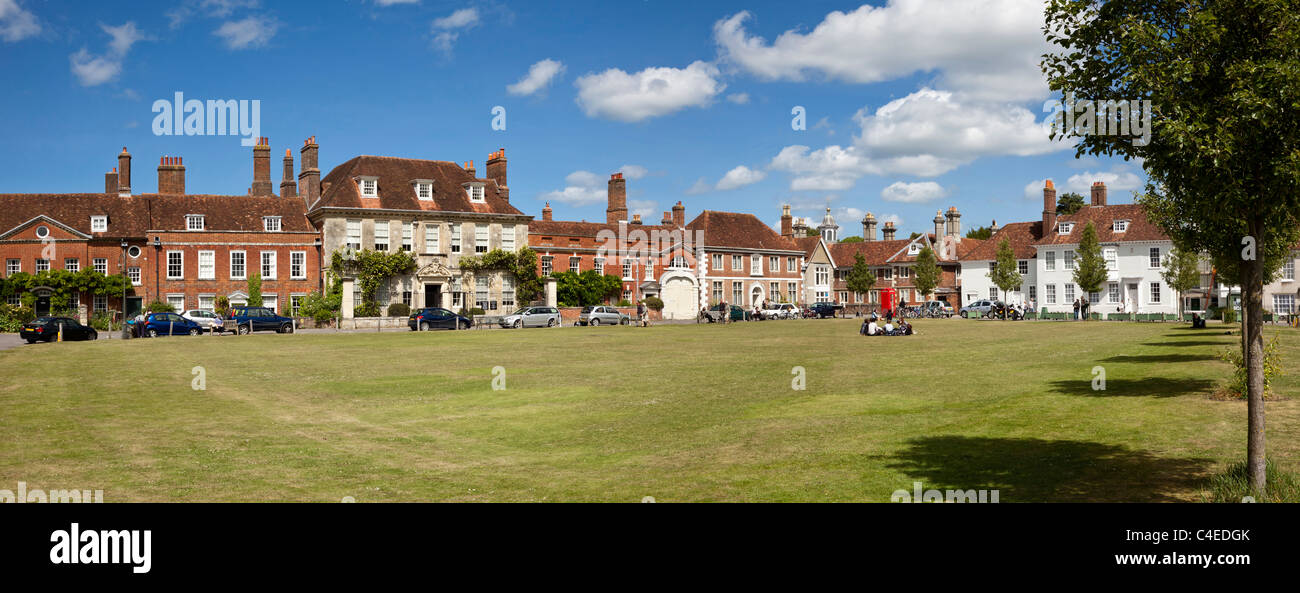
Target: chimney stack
(938,225)
(636,219)
(309,174)
(496,171)
(261,168)
(110,181)
(889,231)
(124,173)
(1049,207)
(469,168)
(993,227)
(617,209)
(679,215)
(954,222)
(668,218)
(787,222)
(288,187)
(1098,193)
(869,227)
(171,176)
(546,212)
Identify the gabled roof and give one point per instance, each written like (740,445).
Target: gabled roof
(739,230)
(573,228)
(1140,228)
(807,244)
(1021,235)
(127,217)
(134,216)
(396,177)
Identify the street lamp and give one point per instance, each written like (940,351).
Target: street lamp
(124,285)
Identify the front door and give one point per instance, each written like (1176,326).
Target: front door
(134,305)
(1132,297)
(432,295)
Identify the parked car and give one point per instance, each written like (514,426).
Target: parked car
(204,317)
(936,309)
(714,313)
(982,307)
(824,310)
(167,324)
(47,329)
(532,317)
(780,311)
(253,319)
(430,318)
(602,315)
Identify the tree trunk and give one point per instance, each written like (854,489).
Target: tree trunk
(1253,342)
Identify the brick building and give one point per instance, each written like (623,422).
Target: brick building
(184,249)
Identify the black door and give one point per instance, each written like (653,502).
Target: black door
(432,295)
(42,306)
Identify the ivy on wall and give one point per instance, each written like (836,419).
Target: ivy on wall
(372,269)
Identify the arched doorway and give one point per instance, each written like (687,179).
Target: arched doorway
(756,296)
(680,295)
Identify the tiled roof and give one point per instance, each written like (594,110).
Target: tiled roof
(397,191)
(573,228)
(134,216)
(739,230)
(876,253)
(127,217)
(227,213)
(1021,235)
(1140,228)
(807,244)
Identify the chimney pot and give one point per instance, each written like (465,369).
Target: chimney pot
(1049,207)
(617,198)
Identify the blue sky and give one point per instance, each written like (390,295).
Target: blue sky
(911,105)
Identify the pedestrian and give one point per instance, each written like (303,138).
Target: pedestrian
(1076,309)
(1083,308)
(723,312)
(640,314)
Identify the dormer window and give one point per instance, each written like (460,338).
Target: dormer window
(913,249)
(369,186)
(193,222)
(99,224)
(475,192)
(271,224)
(423,189)
(1121,226)
(1065,228)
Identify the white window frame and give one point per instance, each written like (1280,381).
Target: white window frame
(738,263)
(100,264)
(424,190)
(263,266)
(408,236)
(191,219)
(1050,293)
(455,238)
(354,233)
(756,265)
(1153,255)
(1049,261)
(243,265)
(208,271)
(71,264)
(381,224)
(1069,260)
(1121,226)
(271,224)
(13,266)
(99,224)
(1153,293)
(508,237)
(298,265)
(1111,255)
(432,237)
(368,186)
(133,273)
(481,237)
(180,275)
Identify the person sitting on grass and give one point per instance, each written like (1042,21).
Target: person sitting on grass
(873,329)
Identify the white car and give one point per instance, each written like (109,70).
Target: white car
(781,311)
(204,317)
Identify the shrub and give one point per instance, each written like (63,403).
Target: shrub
(399,310)
(160,307)
(1236,386)
(654,303)
(367,309)
(1234,485)
(103,321)
(624,303)
(1229,315)
(12,318)
(223,306)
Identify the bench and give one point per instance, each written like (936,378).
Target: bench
(482,321)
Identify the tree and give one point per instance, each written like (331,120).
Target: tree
(851,239)
(860,279)
(1006,272)
(925,273)
(255,290)
(586,289)
(1222,152)
(1089,266)
(981,233)
(1182,272)
(813,233)
(1069,204)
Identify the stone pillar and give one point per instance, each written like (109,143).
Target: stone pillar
(551,299)
(345,308)
(446,297)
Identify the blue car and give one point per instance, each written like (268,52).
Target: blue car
(254,319)
(436,318)
(166,324)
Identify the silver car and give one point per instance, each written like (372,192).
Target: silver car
(532,317)
(602,315)
(204,317)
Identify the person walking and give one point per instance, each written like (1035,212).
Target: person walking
(723,312)
(641,315)
(1076,309)
(1083,309)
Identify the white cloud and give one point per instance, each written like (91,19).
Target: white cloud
(249,32)
(925,134)
(538,77)
(738,98)
(634,171)
(987,48)
(581,188)
(738,178)
(913,193)
(447,29)
(617,95)
(392,2)
(1081,183)
(94,70)
(16,24)
(648,209)
(701,186)
(213,9)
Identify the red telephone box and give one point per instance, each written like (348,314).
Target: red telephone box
(887,296)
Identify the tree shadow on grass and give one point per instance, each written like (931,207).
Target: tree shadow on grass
(1191,343)
(1028,470)
(1148,387)
(1158,358)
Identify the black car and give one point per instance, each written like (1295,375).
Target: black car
(436,318)
(47,329)
(251,319)
(824,310)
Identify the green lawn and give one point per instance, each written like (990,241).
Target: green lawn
(680,413)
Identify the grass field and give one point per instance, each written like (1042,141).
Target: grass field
(680,413)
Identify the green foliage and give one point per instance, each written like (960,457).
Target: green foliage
(160,307)
(1006,272)
(812,233)
(852,239)
(654,303)
(399,310)
(585,289)
(1069,203)
(1089,266)
(63,283)
(103,321)
(925,273)
(1233,485)
(1182,272)
(981,233)
(521,264)
(1272,366)
(860,279)
(372,269)
(12,318)
(255,290)
(624,303)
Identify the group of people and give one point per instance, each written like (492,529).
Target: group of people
(872,327)
(1081,307)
